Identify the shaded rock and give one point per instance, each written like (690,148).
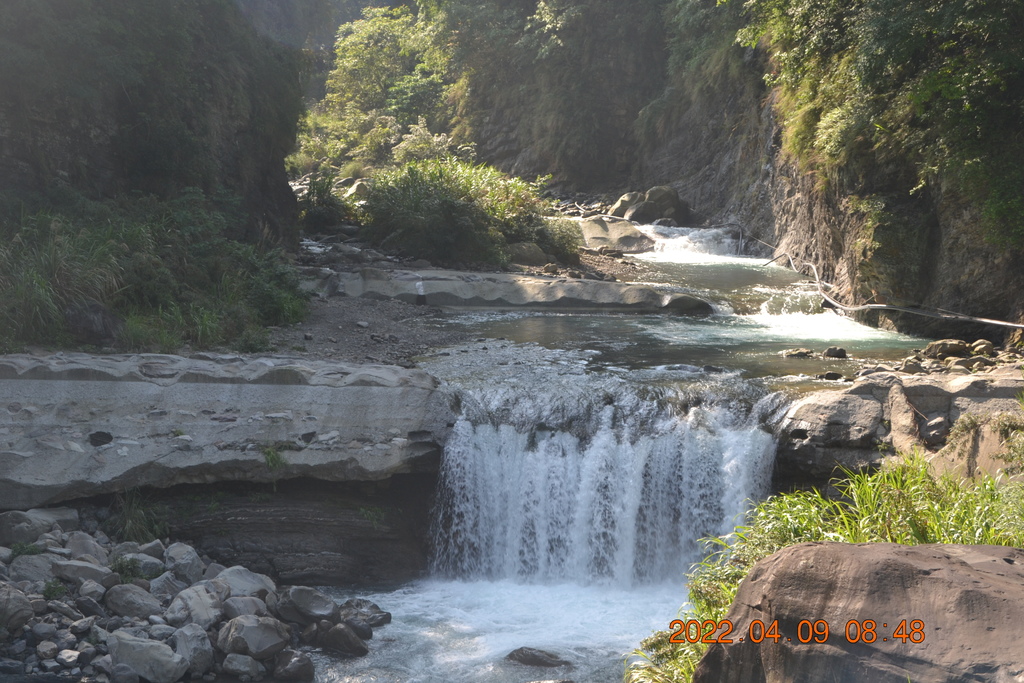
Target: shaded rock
(47,649)
(242,665)
(91,589)
(615,233)
(33,567)
(798,353)
(534,657)
(645,213)
(259,637)
(526,254)
(624,203)
(15,609)
(25,527)
(183,561)
(236,607)
(91,322)
(244,583)
(81,544)
(370,611)
(166,586)
(90,607)
(152,660)
(154,548)
(123,673)
(983,347)
(291,665)
(940,587)
(935,431)
(834,352)
(128,600)
(359,625)
(305,606)
(669,202)
(343,640)
(945,348)
(76,571)
(195,605)
(192,643)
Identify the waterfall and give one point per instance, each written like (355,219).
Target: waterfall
(596,478)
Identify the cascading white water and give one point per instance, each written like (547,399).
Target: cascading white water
(593,479)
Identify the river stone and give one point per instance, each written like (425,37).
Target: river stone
(624,202)
(77,571)
(33,567)
(129,600)
(373,614)
(166,586)
(291,665)
(245,583)
(236,607)
(258,637)
(305,606)
(148,565)
(191,642)
(15,609)
(198,604)
(242,665)
(82,544)
(25,527)
(184,562)
(615,233)
(91,589)
(645,213)
(668,201)
(47,649)
(526,254)
(970,600)
(150,659)
(68,658)
(534,657)
(342,639)
(945,348)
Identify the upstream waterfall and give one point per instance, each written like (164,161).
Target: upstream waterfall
(609,486)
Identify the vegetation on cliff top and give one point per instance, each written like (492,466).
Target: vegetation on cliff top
(903,503)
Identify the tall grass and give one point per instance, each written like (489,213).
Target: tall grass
(903,503)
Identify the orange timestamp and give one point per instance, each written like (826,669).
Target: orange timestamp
(807,631)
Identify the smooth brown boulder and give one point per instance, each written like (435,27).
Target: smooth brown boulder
(963,604)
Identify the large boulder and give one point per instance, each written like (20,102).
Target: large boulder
(240,665)
(83,545)
(245,583)
(15,609)
(166,586)
(195,605)
(305,605)
(183,561)
(129,600)
(615,233)
(940,613)
(33,567)
(669,202)
(624,202)
(258,637)
(77,571)
(236,607)
(152,660)
(645,212)
(192,643)
(292,665)
(25,527)
(343,640)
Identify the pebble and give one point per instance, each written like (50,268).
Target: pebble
(363,324)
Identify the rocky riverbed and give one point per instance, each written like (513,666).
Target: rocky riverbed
(78,605)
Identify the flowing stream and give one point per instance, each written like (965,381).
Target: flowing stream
(591,454)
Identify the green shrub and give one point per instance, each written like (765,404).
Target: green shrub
(138,519)
(903,503)
(19,549)
(127,568)
(562,238)
(53,589)
(448,210)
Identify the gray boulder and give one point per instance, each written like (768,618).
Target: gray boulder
(82,544)
(198,604)
(625,202)
(236,607)
(77,571)
(615,233)
(668,201)
(148,565)
(243,582)
(184,562)
(154,548)
(242,665)
(945,348)
(534,657)
(25,527)
(15,609)
(192,643)
(292,665)
(33,567)
(129,600)
(91,589)
(343,640)
(258,637)
(305,605)
(166,586)
(152,660)
(122,673)
(645,213)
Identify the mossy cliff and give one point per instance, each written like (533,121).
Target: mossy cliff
(110,97)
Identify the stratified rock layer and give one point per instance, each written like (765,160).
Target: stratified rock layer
(75,425)
(969,601)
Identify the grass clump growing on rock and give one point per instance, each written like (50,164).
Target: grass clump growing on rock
(449,210)
(903,503)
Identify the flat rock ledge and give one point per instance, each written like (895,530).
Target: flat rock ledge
(77,425)
(960,606)
(882,413)
(504,291)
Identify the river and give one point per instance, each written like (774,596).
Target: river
(592,454)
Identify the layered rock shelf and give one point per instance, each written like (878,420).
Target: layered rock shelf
(75,425)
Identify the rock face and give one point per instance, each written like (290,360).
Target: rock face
(80,425)
(962,607)
(500,291)
(855,428)
(615,233)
